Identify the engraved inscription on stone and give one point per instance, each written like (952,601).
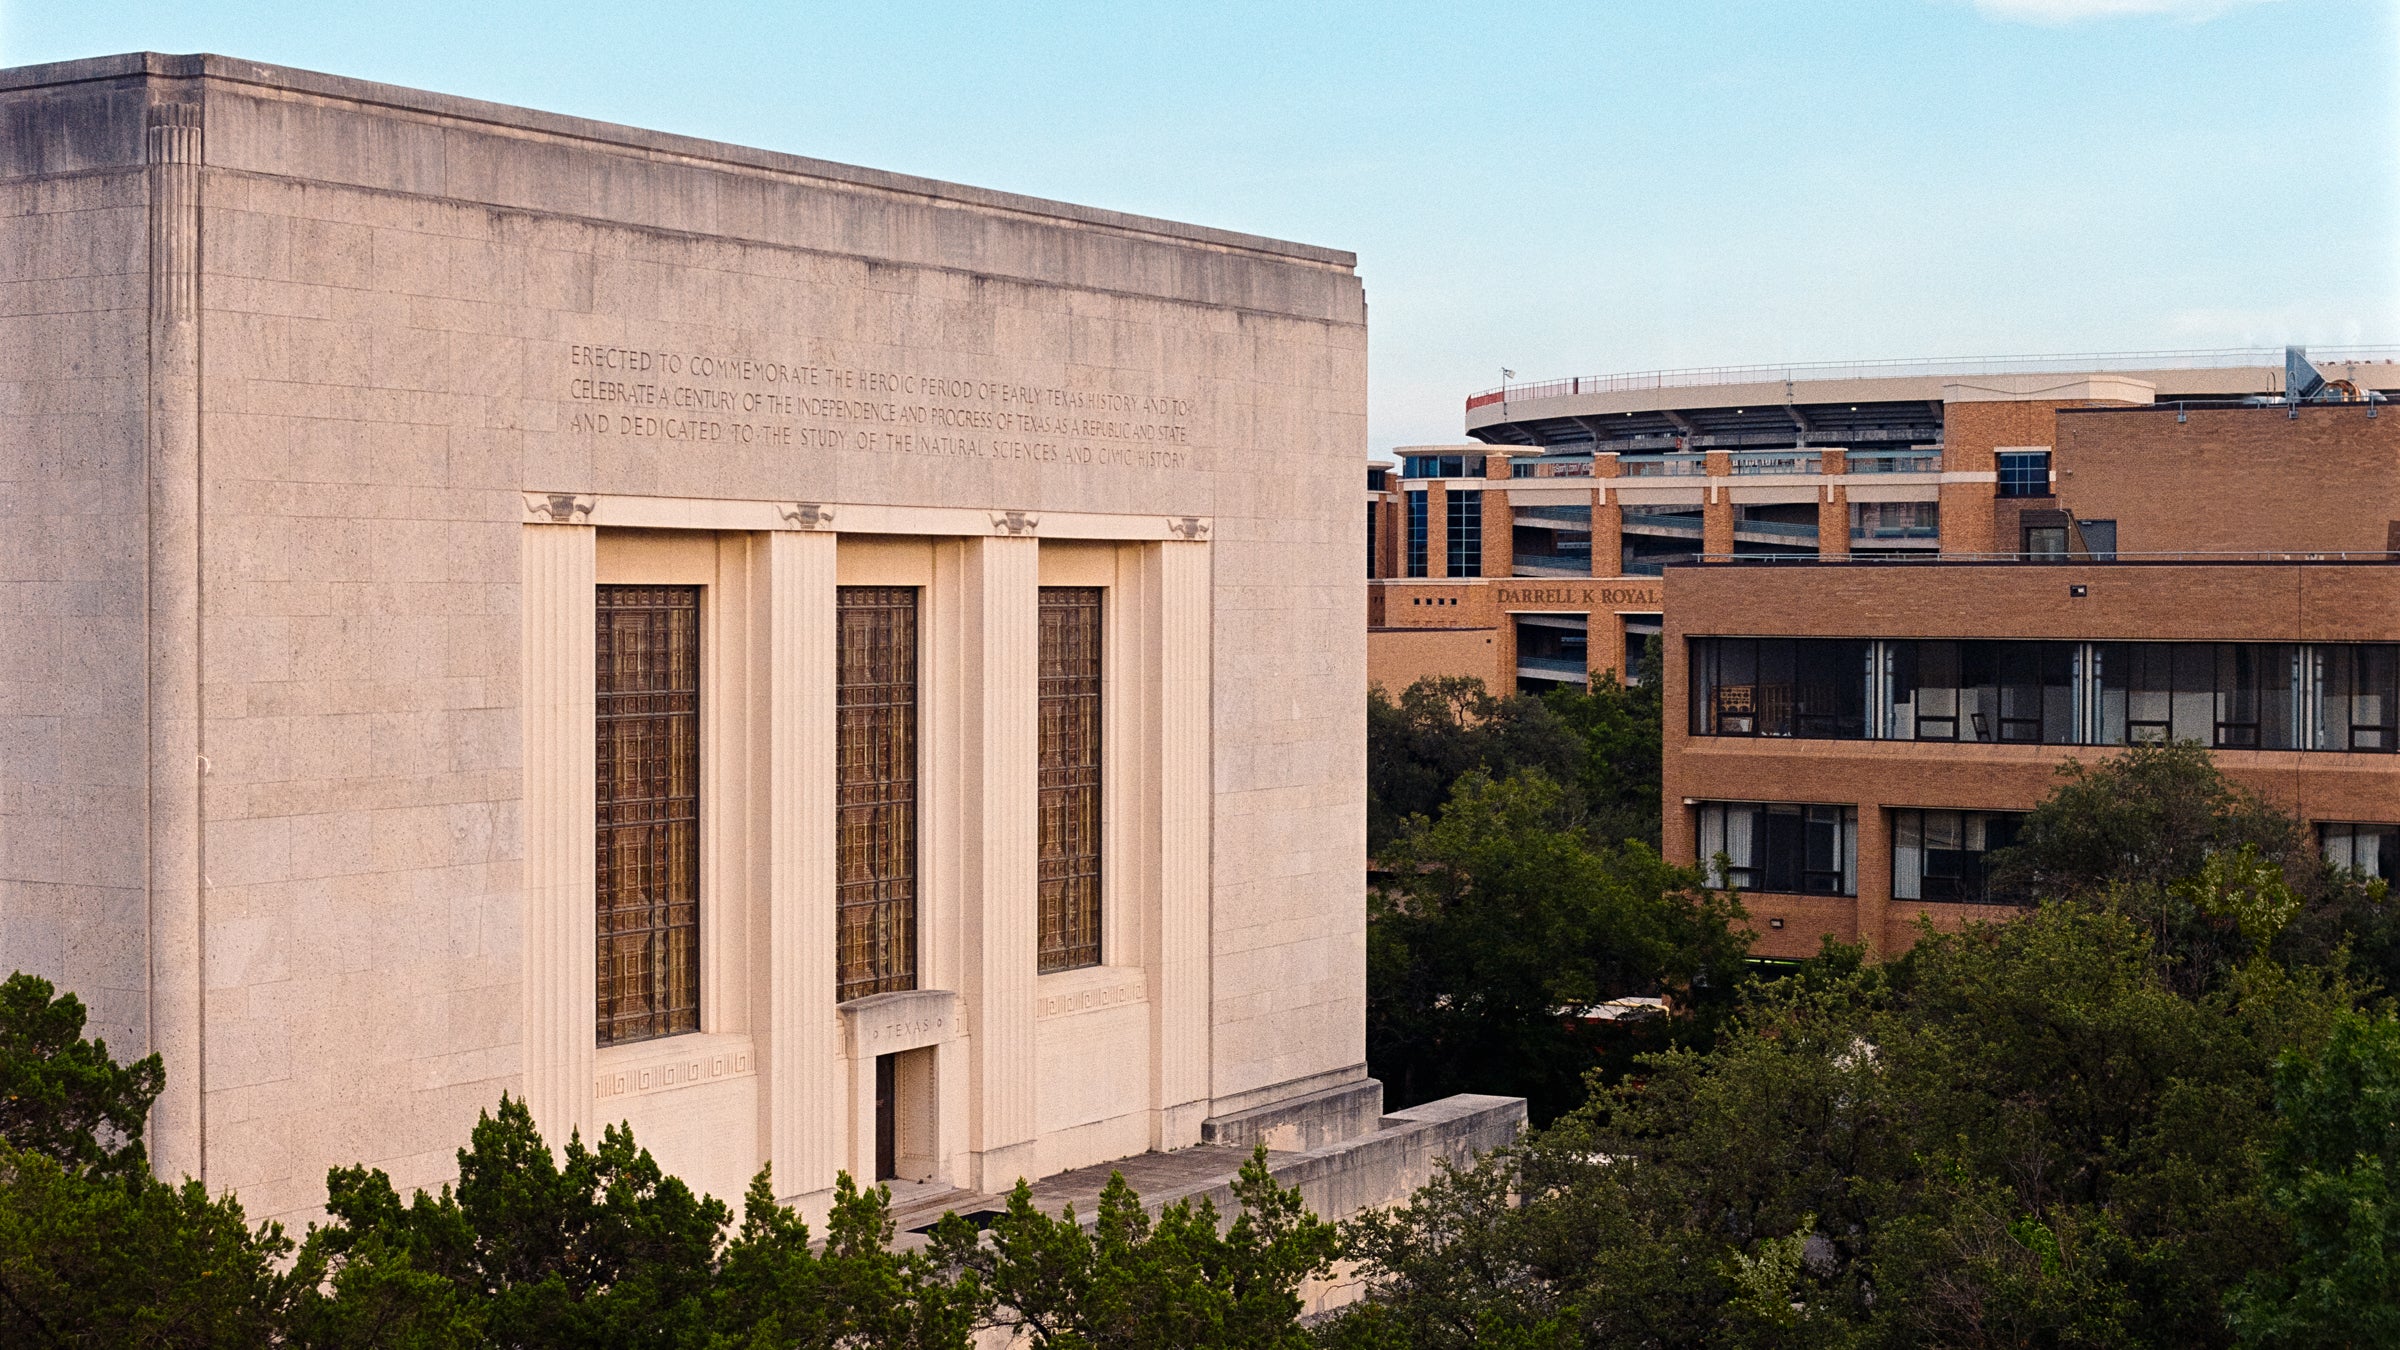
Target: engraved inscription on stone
(708,398)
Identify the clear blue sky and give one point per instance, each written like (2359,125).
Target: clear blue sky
(1562,189)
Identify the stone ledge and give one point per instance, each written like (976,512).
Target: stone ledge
(1339,1180)
(1298,1124)
(1386,1167)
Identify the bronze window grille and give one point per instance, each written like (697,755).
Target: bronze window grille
(875,791)
(1070,778)
(648,811)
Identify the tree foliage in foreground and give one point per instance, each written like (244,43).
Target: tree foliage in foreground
(1600,746)
(2162,1111)
(2019,1135)
(600,1248)
(1518,888)
(93,1251)
(1497,929)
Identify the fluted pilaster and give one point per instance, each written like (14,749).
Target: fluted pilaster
(560,938)
(805,1091)
(177,873)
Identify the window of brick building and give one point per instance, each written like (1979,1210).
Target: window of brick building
(1069,931)
(1785,847)
(2371,849)
(1417,531)
(2024,473)
(875,791)
(1466,534)
(1946,855)
(648,811)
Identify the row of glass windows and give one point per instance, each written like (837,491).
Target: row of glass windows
(2228,695)
(648,804)
(1466,534)
(1794,848)
(1441,466)
(1462,530)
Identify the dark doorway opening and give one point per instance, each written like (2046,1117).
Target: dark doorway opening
(887,1117)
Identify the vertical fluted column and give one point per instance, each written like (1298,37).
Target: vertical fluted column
(999,597)
(558,564)
(1183,602)
(805,1091)
(178,1120)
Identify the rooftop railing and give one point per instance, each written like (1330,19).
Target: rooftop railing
(1687,377)
(1893,461)
(2055,559)
(1771,462)
(1661,466)
(1561,467)
(1568,517)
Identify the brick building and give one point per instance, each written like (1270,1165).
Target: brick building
(1857,733)
(1535,554)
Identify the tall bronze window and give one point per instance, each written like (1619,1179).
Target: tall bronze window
(1070,778)
(875,791)
(648,818)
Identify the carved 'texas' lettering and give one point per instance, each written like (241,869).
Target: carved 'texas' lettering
(908,1028)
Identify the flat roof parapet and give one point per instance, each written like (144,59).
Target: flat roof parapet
(1799,372)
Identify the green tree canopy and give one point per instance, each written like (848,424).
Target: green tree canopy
(1182,1282)
(94,1252)
(2017,1135)
(2333,1176)
(65,1097)
(1602,746)
(1496,930)
(2144,818)
(2213,871)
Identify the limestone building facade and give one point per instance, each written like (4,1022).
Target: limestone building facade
(831,668)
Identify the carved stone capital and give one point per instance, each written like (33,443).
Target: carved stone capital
(807,515)
(1187,527)
(560,508)
(1014,522)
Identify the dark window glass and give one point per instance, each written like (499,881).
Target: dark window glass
(1416,534)
(1926,680)
(2371,849)
(875,791)
(1069,930)
(2026,473)
(2232,696)
(1788,848)
(1983,691)
(1372,509)
(1441,466)
(2357,697)
(2045,541)
(1945,855)
(1806,687)
(1466,534)
(647,668)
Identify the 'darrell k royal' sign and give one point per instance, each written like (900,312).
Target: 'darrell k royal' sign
(1578,596)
